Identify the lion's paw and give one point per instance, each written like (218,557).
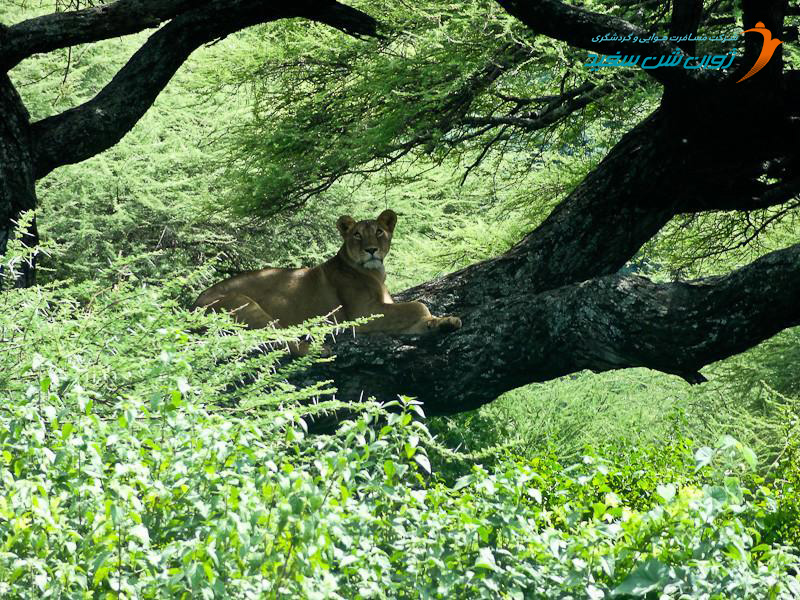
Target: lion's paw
(447,324)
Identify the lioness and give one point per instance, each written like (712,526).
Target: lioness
(349,285)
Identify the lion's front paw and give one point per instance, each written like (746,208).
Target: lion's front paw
(447,324)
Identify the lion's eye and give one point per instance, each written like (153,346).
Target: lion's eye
(379,233)
(357,236)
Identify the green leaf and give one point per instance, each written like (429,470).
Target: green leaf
(749,456)
(462,482)
(486,560)
(667,492)
(645,578)
(703,457)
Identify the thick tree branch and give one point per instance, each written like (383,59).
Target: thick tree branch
(686,15)
(651,175)
(791,81)
(63,29)
(90,128)
(577,27)
(771,14)
(16,174)
(618,207)
(60,30)
(762,196)
(613,322)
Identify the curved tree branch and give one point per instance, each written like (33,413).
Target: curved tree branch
(607,323)
(63,29)
(124,17)
(764,196)
(83,131)
(593,232)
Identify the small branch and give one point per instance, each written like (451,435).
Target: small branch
(555,112)
(476,163)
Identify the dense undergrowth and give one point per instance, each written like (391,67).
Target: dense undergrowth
(140,458)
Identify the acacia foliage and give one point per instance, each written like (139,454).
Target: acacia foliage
(328,107)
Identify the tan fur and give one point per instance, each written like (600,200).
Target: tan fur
(349,285)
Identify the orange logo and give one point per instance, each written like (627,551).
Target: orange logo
(767,49)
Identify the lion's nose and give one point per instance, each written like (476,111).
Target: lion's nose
(371,250)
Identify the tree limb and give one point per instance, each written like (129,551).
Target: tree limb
(612,322)
(124,17)
(16,175)
(761,197)
(686,16)
(771,14)
(98,124)
(63,29)
(593,232)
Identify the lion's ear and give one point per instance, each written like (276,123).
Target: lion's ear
(387,219)
(344,224)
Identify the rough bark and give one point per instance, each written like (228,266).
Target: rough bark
(611,322)
(563,307)
(63,29)
(17,191)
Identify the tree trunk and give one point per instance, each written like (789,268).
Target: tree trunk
(17,183)
(605,323)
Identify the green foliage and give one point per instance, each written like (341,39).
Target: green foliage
(141,458)
(333,110)
(611,412)
(160,188)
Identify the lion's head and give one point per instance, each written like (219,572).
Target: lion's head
(366,243)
